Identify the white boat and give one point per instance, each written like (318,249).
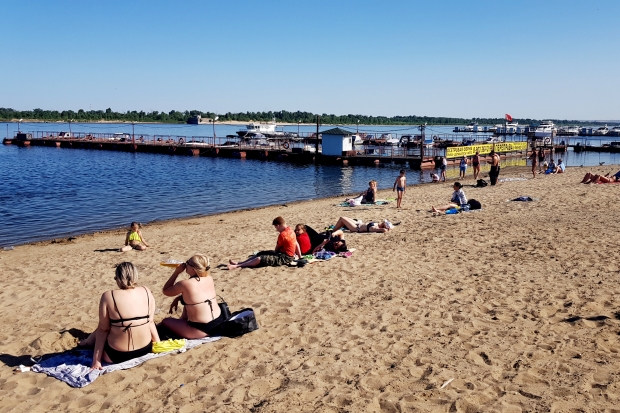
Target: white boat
(568,131)
(603,130)
(493,139)
(470,127)
(357,140)
(267,129)
(615,131)
(389,140)
(508,129)
(545,129)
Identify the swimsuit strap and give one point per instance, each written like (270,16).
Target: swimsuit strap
(130,325)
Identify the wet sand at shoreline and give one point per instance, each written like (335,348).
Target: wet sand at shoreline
(515,303)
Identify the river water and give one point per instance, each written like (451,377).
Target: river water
(50,193)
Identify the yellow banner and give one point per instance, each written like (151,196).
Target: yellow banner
(485,149)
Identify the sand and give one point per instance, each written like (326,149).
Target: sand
(479,298)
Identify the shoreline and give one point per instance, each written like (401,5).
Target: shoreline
(69,237)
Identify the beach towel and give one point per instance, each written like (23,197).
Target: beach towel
(378,202)
(73,366)
(523,199)
(511,179)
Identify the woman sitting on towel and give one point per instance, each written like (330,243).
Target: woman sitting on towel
(201,313)
(359,226)
(458,200)
(126,329)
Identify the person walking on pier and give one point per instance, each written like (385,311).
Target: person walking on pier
(494,172)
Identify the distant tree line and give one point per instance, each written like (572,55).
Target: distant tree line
(283,116)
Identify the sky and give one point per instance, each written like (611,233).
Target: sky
(534,59)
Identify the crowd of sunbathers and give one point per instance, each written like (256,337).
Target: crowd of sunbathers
(126,328)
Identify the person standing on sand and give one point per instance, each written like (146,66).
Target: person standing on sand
(534,159)
(494,172)
(475,162)
(400,185)
(541,158)
(462,167)
(442,169)
(286,249)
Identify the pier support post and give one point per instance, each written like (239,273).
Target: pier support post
(194,152)
(57,144)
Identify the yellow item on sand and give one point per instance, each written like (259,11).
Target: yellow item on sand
(168,345)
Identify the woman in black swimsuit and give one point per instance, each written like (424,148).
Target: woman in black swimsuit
(201,313)
(126,329)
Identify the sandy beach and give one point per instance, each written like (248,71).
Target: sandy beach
(515,304)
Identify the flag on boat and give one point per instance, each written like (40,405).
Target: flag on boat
(508,118)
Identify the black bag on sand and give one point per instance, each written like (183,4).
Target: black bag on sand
(473,204)
(481,183)
(240,322)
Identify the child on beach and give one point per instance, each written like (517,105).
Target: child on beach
(134,239)
(434,177)
(400,185)
(462,167)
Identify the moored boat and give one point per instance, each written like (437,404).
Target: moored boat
(546,129)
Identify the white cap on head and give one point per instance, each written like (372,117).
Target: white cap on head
(388,224)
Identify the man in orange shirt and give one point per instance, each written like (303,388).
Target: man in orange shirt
(286,248)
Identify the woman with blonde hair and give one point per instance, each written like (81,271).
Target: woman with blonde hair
(201,313)
(126,329)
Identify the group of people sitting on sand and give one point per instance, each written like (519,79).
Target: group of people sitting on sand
(126,328)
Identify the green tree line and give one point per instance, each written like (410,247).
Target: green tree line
(283,116)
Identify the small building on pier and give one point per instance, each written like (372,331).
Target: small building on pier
(336,142)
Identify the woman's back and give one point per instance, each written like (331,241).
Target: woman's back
(197,291)
(131,314)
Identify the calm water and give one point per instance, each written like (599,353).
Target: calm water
(52,192)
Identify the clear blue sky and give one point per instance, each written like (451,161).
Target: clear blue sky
(537,59)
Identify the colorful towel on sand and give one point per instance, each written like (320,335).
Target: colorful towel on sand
(73,366)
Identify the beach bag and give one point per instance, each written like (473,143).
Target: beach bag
(224,308)
(481,183)
(240,323)
(474,204)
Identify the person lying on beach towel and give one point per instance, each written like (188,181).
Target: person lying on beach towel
(285,251)
(591,178)
(126,329)
(458,200)
(201,315)
(358,226)
(333,242)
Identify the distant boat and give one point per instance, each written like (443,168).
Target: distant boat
(615,131)
(568,131)
(493,139)
(545,129)
(267,129)
(507,129)
(389,140)
(603,130)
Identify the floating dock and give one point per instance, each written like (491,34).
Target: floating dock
(295,151)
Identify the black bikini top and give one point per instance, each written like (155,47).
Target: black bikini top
(208,300)
(124,320)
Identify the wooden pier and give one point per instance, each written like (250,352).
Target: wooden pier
(295,151)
